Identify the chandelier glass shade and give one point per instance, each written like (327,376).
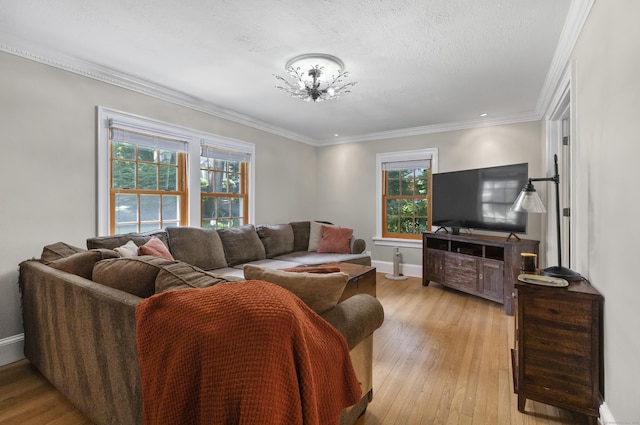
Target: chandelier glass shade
(315,77)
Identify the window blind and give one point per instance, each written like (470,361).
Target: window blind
(209,152)
(123,133)
(407,165)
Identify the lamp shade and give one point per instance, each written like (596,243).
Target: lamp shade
(528,201)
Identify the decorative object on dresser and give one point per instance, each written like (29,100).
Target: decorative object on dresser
(485,266)
(558,353)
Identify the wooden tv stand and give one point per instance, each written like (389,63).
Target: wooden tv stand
(481,265)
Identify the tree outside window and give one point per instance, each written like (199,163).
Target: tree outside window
(406,202)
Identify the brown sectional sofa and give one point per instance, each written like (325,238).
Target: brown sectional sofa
(225,252)
(81,335)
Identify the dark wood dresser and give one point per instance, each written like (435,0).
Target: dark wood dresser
(558,355)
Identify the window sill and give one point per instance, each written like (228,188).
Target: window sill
(403,243)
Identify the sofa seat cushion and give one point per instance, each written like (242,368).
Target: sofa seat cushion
(228,273)
(277,239)
(182,275)
(306,258)
(199,247)
(241,244)
(136,276)
(270,263)
(320,292)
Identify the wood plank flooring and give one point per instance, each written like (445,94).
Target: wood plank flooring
(441,357)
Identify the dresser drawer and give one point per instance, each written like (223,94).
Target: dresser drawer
(569,311)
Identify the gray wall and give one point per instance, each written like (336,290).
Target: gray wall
(48,172)
(347,173)
(606,100)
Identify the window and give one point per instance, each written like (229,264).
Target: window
(223,187)
(404,196)
(148,189)
(406,199)
(153,174)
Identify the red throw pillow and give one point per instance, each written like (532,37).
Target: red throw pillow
(313,269)
(336,240)
(156,248)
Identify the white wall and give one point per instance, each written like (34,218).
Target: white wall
(48,171)
(347,173)
(606,88)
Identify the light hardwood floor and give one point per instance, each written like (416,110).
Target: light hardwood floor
(441,357)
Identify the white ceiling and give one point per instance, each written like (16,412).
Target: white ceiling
(420,64)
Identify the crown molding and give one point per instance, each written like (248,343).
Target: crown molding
(436,128)
(576,18)
(137,84)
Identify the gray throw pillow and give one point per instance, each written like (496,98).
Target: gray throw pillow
(241,244)
(82,263)
(136,276)
(277,239)
(199,247)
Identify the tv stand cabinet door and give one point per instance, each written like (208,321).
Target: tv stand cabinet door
(492,280)
(461,272)
(434,266)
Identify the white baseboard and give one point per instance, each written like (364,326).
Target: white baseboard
(11,349)
(413,270)
(606,418)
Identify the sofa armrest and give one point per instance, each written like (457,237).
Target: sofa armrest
(358,246)
(356,317)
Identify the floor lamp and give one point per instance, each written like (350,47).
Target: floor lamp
(529,201)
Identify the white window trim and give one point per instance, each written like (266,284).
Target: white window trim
(193,138)
(432,154)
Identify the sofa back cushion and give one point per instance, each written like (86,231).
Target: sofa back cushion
(320,292)
(136,276)
(199,247)
(241,244)
(277,239)
(183,276)
(300,235)
(114,241)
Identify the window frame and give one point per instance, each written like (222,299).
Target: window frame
(193,138)
(418,154)
(244,174)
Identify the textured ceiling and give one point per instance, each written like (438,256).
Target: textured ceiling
(418,63)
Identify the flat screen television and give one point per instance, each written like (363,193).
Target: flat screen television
(479,199)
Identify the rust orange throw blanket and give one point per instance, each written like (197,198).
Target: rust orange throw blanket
(240,353)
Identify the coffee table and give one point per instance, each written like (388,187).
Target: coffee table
(362,279)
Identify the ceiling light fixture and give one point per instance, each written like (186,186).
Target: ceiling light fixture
(317,77)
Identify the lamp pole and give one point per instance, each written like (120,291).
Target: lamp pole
(555,179)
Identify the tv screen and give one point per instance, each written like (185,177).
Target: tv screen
(479,199)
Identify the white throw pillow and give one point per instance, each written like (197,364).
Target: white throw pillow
(128,250)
